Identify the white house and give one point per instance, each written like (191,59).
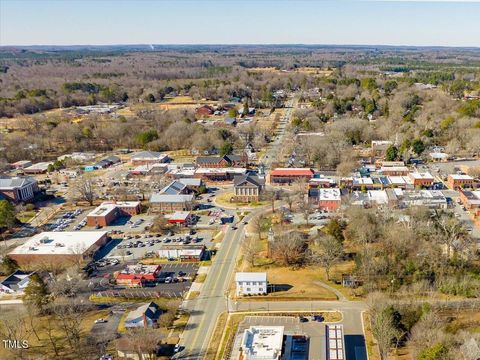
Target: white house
(144,316)
(251,283)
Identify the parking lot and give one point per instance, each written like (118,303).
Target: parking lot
(66,220)
(313,348)
(173,281)
(75,220)
(135,247)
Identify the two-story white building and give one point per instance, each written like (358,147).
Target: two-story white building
(251,283)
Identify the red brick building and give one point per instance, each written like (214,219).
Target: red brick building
(456,181)
(58,248)
(421,179)
(108,212)
(290,175)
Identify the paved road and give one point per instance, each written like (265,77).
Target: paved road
(351,310)
(212,301)
(273,150)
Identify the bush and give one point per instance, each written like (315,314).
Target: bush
(435,352)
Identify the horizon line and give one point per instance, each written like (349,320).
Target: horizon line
(240,44)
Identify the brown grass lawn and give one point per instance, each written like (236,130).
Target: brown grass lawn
(303,280)
(43,349)
(224,200)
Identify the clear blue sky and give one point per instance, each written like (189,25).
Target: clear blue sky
(66,22)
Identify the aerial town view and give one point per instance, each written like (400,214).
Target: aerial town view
(240,180)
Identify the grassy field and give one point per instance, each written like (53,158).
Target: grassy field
(25,216)
(224,200)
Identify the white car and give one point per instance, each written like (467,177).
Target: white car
(100,321)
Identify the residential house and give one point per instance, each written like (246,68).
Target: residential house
(18,189)
(144,316)
(133,350)
(205,110)
(248,188)
(15,283)
(251,283)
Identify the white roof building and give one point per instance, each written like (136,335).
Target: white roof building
(461,177)
(262,342)
(150,156)
(400,180)
(251,276)
(329,194)
(421,176)
(60,243)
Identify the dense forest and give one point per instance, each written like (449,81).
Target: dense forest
(426,96)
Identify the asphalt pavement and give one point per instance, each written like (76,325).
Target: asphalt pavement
(212,300)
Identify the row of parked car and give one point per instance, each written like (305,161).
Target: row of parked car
(65,220)
(107,262)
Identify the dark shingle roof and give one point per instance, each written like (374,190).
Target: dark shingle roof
(254,180)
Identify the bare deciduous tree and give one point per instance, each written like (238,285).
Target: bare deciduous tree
(85,189)
(329,252)
(250,249)
(289,249)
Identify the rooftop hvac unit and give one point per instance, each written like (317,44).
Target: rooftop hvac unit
(44,240)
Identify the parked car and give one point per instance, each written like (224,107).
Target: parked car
(100,321)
